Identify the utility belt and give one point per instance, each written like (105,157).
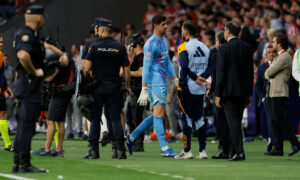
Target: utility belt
(103,81)
(64,89)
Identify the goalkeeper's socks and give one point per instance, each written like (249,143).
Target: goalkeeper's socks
(145,124)
(4,132)
(160,131)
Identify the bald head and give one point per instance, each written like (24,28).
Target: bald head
(36,21)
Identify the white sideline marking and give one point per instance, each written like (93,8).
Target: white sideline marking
(189,178)
(176,176)
(286,166)
(15,177)
(153,172)
(121,166)
(164,174)
(207,165)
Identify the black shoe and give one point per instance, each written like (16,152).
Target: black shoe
(105,139)
(114,150)
(15,168)
(275,152)
(238,157)
(121,151)
(70,136)
(269,146)
(138,147)
(220,155)
(31,169)
(92,154)
(295,149)
(85,137)
(10,148)
(80,134)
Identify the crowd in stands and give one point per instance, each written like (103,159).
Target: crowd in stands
(8,8)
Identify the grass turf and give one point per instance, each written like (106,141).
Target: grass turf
(150,165)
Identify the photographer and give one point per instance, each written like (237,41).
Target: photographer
(62,87)
(134,112)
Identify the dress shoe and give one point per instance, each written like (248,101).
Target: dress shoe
(105,139)
(28,168)
(269,146)
(295,149)
(238,157)
(275,152)
(138,147)
(220,155)
(91,154)
(15,168)
(70,136)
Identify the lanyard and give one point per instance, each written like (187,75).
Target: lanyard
(281,53)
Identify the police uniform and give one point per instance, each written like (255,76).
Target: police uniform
(95,39)
(28,93)
(107,56)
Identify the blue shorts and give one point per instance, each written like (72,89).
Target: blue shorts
(158,95)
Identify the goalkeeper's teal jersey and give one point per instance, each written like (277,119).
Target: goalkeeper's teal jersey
(157,63)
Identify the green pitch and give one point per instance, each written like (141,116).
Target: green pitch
(150,165)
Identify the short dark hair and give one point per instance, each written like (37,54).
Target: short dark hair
(157,19)
(282,39)
(233,27)
(190,27)
(220,37)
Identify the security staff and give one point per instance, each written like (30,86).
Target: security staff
(30,53)
(134,113)
(105,59)
(105,136)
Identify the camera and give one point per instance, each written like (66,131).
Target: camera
(135,40)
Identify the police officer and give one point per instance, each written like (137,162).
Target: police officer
(134,115)
(94,39)
(106,136)
(105,58)
(30,53)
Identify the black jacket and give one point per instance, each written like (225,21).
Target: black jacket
(261,82)
(234,69)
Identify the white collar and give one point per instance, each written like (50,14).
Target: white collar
(270,62)
(231,38)
(280,51)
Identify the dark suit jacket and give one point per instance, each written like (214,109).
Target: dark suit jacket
(261,82)
(213,53)
(234,69)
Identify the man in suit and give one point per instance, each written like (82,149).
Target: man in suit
(279,74)
(234,84)
(260,88)
(220,120)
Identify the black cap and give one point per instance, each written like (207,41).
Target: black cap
(100,21)
(35,9)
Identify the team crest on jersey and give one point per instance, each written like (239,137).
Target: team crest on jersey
(25,38)
(148,55)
